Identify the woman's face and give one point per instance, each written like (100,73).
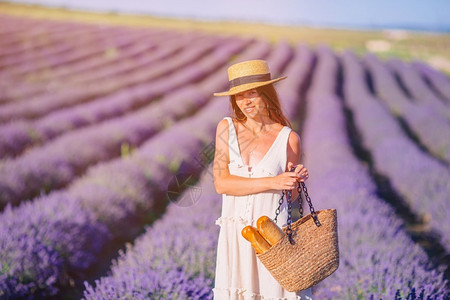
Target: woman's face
(250,103)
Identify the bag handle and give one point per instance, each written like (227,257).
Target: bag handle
(288,194)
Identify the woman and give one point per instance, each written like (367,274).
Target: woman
(254,154)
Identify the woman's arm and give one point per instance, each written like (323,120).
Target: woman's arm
(293,156)
(226,183)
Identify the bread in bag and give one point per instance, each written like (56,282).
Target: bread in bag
(269,230)
(252,235)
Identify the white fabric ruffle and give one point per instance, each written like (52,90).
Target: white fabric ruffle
(234,220)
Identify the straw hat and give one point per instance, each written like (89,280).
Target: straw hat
(248,75)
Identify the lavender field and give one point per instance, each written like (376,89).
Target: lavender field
(97,121)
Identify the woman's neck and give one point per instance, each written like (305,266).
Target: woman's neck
(257,126)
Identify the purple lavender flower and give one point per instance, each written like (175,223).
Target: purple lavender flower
(372,240)
(57,163)
(41,242)
(437,80)
(43,104)
(396,156)
(429,122)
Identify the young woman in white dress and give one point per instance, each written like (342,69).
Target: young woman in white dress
(254,152)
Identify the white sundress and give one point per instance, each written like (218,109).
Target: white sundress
(240,275)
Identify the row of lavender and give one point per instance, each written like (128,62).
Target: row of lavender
(419,178)
(372,239)
(105,60)
(20,134)
(44,241)
(58,162)
(23,34)
(175,257)
(424,113)
(76,46)
(37,54)
(418,90)
(42,104)
(438,81)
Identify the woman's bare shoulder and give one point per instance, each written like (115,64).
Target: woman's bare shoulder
(222,124)
(294,139)
(222,129)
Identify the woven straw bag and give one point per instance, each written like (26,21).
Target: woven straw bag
(309,252)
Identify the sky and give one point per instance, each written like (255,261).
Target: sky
(428,15)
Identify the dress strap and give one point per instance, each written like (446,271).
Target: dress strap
(285,140)
(233,147)
(281,147)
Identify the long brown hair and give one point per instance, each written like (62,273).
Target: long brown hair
(270,96)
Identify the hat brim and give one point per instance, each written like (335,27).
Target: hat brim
(247,86)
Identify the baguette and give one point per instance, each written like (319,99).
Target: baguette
(269,230)
(252,235)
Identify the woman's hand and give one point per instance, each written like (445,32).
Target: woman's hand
(300,171)
(288,180)
(284,181)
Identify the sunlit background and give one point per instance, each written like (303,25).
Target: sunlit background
(415,15)
(108,128)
